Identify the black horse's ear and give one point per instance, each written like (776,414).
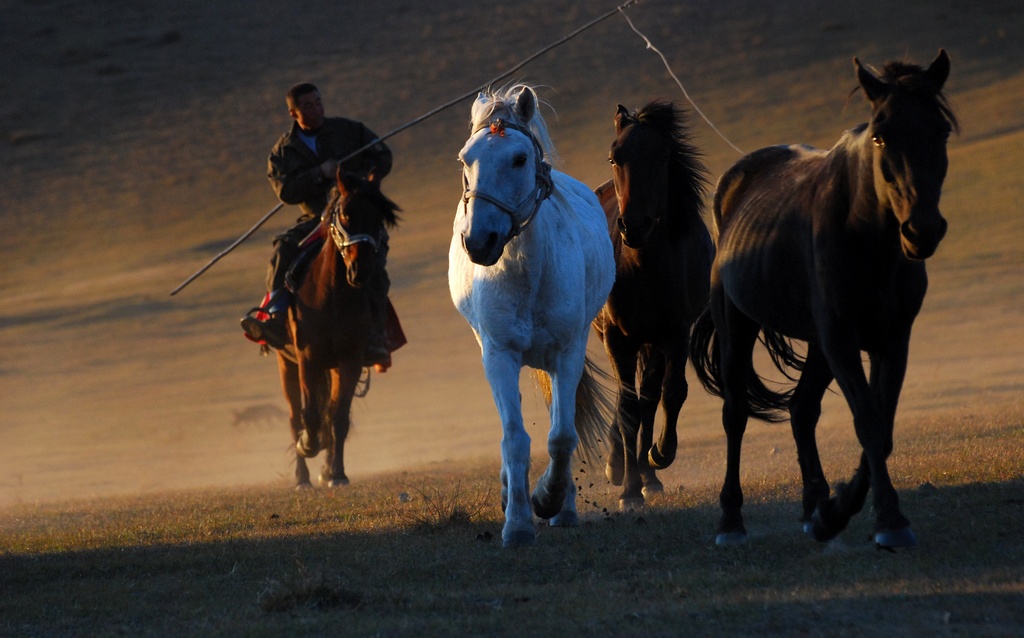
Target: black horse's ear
(621,116)
(874,88)
(938,72)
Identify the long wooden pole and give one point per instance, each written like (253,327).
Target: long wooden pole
(414,122)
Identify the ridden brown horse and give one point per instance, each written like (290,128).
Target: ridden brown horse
(330,323)
(827,247)
(663,252)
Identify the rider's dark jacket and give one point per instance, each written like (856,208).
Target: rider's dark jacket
(294,169)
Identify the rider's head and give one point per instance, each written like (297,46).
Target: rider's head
(305,106)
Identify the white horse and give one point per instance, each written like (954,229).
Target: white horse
(530,266)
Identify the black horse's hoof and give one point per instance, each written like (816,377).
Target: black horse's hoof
(896,539)
(824,527)
(660,460)
(730,538)
(631,503)
(652,485)
(614,474)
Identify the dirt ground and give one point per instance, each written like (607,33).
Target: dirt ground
(134,140)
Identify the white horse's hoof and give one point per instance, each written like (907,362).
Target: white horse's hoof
(521,538)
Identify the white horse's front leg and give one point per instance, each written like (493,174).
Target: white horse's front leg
(555,495)
(502,370)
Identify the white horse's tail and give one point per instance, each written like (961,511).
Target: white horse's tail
(595,408)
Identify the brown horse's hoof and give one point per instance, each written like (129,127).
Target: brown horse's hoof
(327,481)
(307,446)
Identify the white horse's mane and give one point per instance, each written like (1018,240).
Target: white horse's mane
(500,102)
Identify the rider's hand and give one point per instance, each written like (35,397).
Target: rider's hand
(329,168)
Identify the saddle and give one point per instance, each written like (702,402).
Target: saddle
(308,248)
(394,336)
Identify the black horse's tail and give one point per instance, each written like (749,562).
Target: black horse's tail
(764,403)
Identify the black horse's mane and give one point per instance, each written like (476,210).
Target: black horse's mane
(689,175)
(914,79)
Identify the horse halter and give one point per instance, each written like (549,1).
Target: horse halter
(342,238)
(541,191)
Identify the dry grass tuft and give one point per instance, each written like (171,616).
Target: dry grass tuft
(441,508)
(306,588)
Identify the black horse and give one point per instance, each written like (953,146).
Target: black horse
(663,253)
(827,247)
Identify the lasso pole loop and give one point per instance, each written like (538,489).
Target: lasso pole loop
(680,84)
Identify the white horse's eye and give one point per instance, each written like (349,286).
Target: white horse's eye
(519,161)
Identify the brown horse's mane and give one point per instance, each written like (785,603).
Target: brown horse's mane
(389,209)
(689,175)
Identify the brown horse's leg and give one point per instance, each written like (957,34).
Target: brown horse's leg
(343,382)
(290,383)
(311,382)
(804,410)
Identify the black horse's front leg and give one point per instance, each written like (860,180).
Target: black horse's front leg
(804,411)
(873,425)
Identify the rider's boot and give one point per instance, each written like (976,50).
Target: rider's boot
(376,351)
(272,329)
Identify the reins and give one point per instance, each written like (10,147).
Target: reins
(543,189)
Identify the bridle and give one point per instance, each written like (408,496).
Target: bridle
(342,238)
(543,189)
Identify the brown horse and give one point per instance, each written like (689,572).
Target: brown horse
(827,247)
(663,251)
(329,323)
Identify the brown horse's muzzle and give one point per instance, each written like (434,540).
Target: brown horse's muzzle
(635,233)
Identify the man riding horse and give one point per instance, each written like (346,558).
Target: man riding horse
(301,170)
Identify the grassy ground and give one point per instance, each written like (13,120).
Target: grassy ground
(420,553)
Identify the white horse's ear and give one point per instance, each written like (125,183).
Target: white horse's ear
(526,105)
(481,98)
